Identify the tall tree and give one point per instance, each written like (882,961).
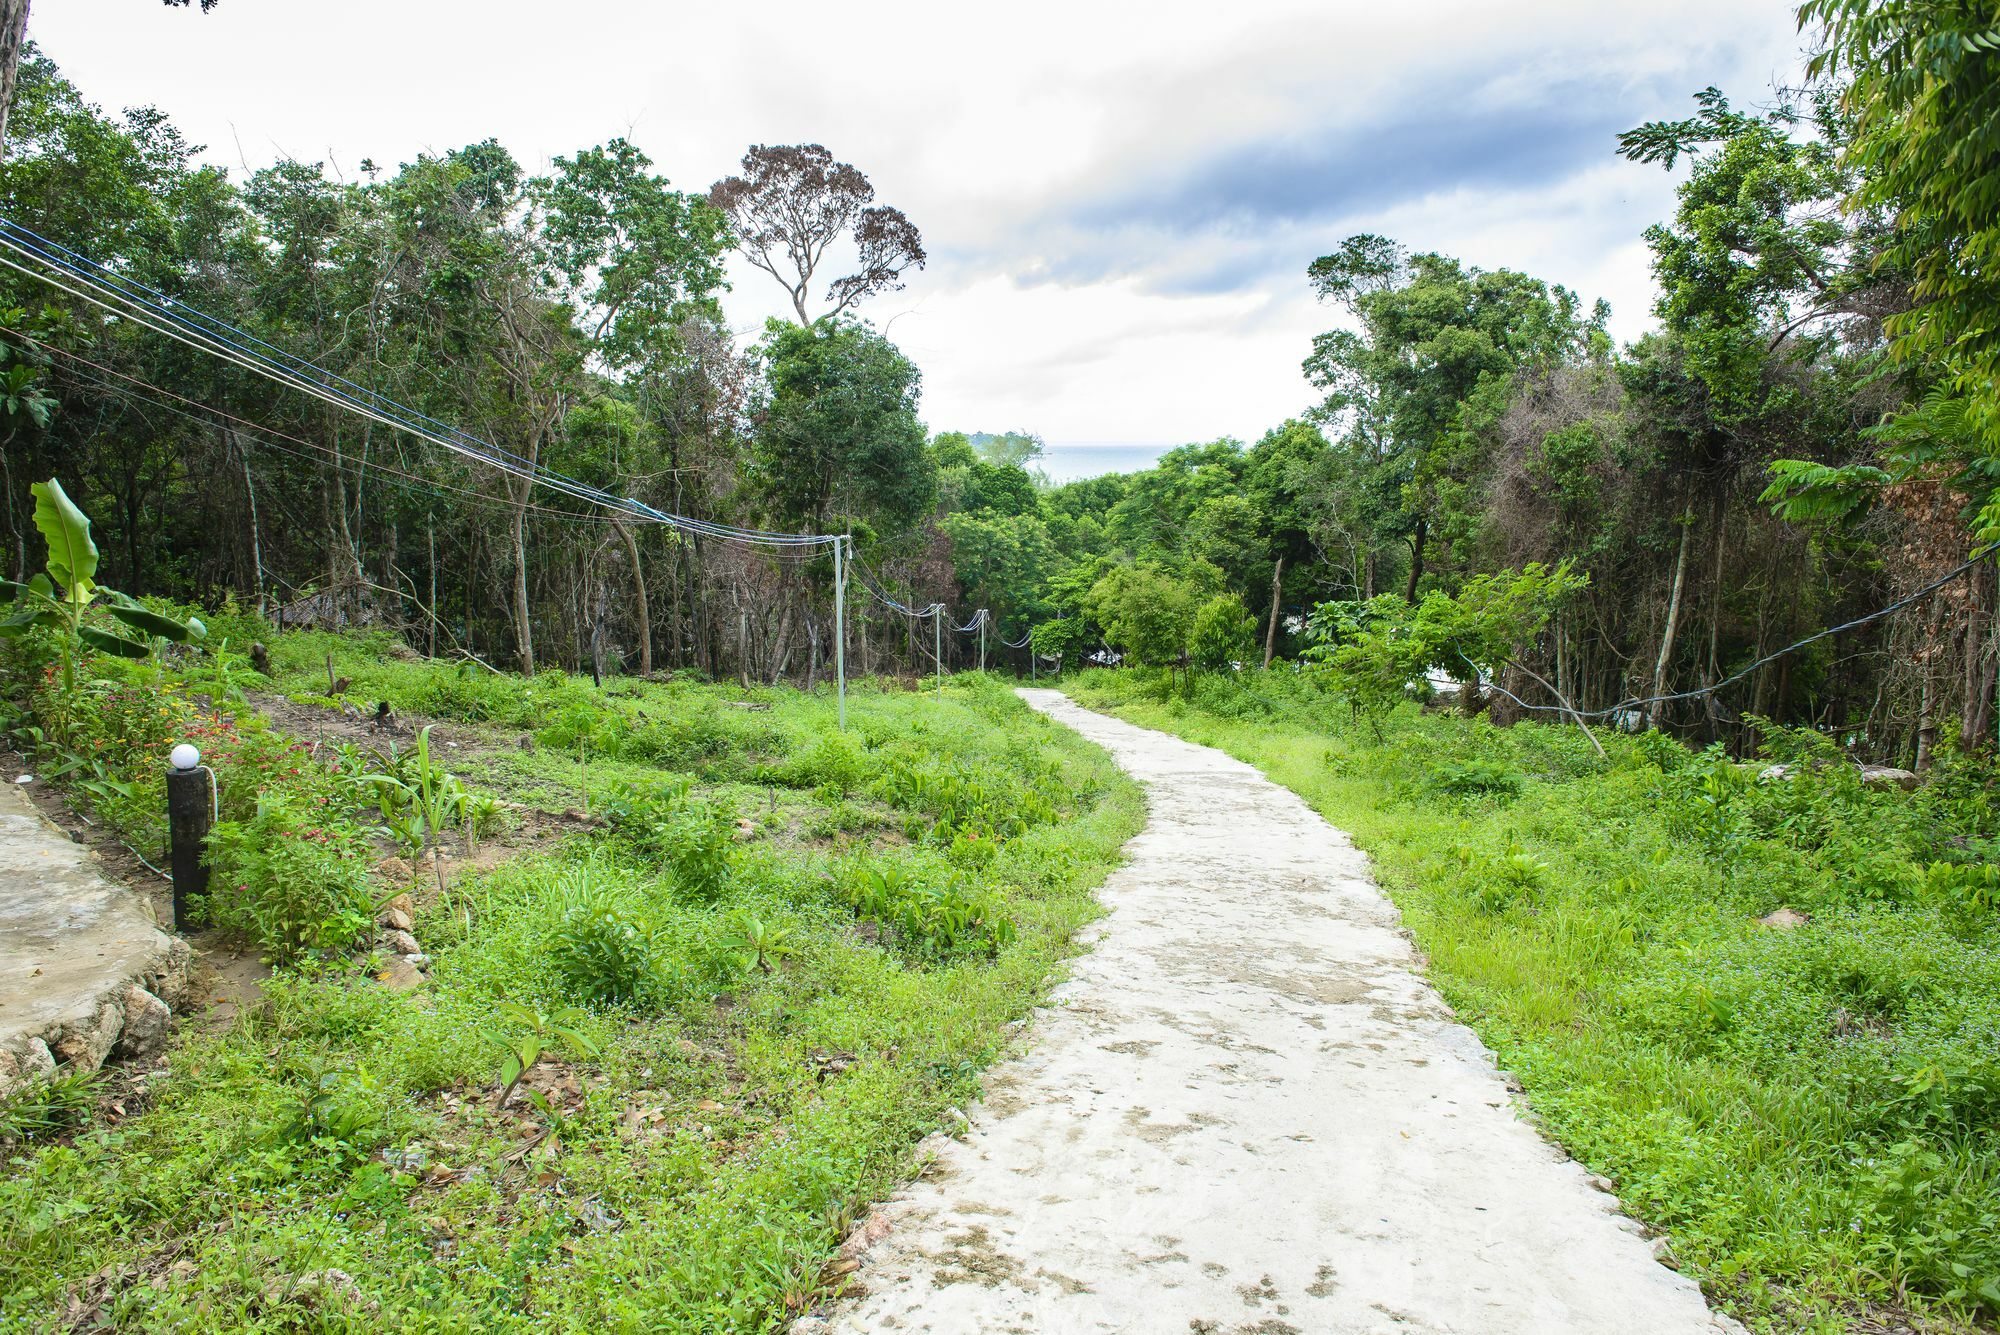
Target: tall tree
(1432,356)
(837,435)
(793,202)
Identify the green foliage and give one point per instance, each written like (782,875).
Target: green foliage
(756,943)
(1220,635)
(1373,653)
(418,799)
(1146,611)
(529,1034)
(838,430)
(45,1109)
(1924,144)
(691,837)
(291,879)
(697,843)
(603,953)
(934,921)
(1417,381)
(60,599)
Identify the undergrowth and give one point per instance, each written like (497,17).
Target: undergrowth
(660,1062)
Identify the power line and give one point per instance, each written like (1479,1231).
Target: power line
(261,434)
(1701,692)
(127,298)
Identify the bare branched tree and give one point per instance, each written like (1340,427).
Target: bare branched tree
(793,202)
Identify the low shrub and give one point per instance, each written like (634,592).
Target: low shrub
(291,880)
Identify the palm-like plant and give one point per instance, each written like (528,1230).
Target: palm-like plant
(60,597)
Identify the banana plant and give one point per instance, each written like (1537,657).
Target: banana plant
(66,590)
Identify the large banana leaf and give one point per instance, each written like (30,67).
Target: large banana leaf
(18,624)
(106,642)
(153,623)
(72,555)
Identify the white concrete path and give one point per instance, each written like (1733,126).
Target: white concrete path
(83,968)
(1247,1112)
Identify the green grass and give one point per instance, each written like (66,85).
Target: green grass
(332,1162)
(1810,1114)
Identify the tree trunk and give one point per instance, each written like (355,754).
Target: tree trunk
(1926,725)
(1670,630)
(256,534)
(431,559)
(524,634)
(1417,540)
(7,500)
(13,31)
(1976,726)
(1277,599)
(641,609)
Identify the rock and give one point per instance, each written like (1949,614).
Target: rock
(401,942)
(333,1290)
(1784,919)
(399,914)
(147,1020)
(84,1045)
(397,872)
(20,1066)
(400,975)
(1902,778)
(168,978)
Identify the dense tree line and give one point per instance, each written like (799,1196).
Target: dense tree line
(567,320)
(1810,434)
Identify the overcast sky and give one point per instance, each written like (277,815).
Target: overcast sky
(1119,200)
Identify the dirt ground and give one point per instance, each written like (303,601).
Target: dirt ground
(1248,1112)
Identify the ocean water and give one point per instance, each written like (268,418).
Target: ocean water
(1081,459)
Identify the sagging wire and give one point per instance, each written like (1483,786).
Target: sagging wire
(1626,706)
(126,298)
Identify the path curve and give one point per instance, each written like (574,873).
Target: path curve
(1246,1112)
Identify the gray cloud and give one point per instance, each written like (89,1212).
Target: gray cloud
(1228,217)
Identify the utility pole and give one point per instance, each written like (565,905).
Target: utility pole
(937,643)
(840,625)
(982,639)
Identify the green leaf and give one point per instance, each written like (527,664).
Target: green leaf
(66,529)
(20,621)
(105,642)
(153,623)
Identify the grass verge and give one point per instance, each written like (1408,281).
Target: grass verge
(769,962)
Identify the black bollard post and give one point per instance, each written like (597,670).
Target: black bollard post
(190,811)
